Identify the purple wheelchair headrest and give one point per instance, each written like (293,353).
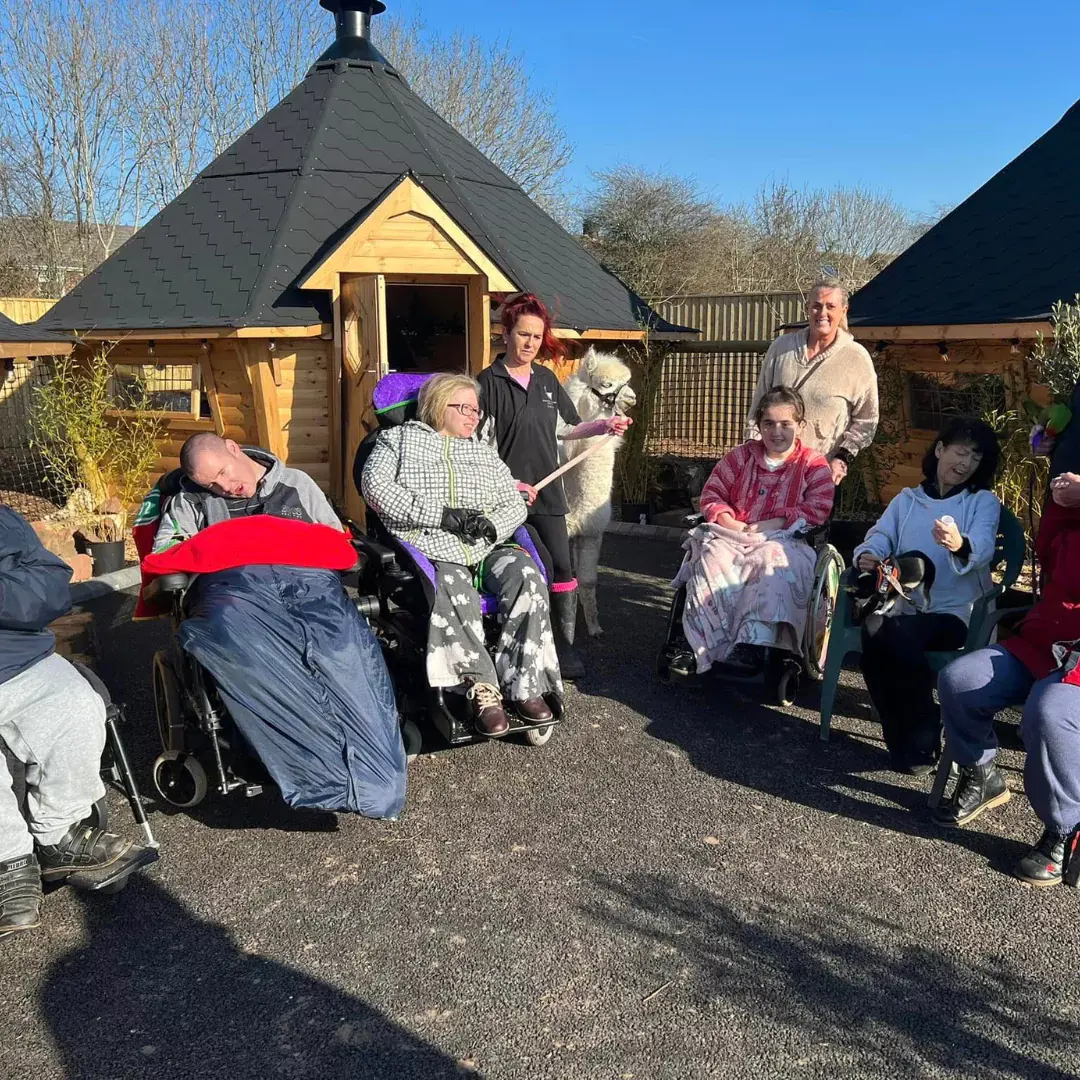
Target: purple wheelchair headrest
(398,388)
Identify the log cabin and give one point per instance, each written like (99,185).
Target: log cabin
(350,232)
(969,298)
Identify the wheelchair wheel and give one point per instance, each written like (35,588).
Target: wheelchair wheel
(413,740)
(170,713)
(179,779)
(820,611)
(539,736)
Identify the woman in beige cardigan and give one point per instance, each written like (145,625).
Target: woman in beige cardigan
(835,376)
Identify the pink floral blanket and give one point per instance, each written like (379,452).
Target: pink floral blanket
(744,588)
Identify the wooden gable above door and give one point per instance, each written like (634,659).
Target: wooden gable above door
(407,232)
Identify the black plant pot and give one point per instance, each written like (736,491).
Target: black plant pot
(636,513)
(107,556)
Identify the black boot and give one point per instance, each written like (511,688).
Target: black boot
(83,847)
(20,895)
(1043,863)
(979,788)
(564,625)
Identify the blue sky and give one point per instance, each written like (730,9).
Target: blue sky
(925,100)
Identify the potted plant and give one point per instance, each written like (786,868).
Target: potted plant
(1056,365)
(103,458)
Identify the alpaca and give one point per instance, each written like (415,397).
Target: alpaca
(599,388)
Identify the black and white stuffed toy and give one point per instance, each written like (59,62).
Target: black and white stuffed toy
(909,577)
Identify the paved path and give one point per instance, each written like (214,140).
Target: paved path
(682,884)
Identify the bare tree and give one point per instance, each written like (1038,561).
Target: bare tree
(485,92)
(68,87)
(649,228)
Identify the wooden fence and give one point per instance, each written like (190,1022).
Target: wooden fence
(24,309)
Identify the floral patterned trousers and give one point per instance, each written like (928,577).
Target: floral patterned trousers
(525,663)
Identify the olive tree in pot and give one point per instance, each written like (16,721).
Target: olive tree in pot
(102,458)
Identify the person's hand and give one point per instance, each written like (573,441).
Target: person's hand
(767,526)
(947,535)
(453,520)
(1065,489)
(839,470)
(617,425)
(528,492)
(867,562)
(727,521)
(480,528)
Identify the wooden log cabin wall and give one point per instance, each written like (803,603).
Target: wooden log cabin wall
(279,397)
(922,382)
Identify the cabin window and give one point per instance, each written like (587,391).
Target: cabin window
(170,389)
(426,327)
(935,399)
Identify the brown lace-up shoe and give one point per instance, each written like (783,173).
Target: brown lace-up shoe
(533,710)
(487,708)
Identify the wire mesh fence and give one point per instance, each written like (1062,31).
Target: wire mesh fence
(25,484)
(703,401)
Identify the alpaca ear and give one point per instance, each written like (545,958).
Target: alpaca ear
(588,361)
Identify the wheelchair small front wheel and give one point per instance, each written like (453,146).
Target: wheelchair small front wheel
(788,688)
(539,736)
(179,779)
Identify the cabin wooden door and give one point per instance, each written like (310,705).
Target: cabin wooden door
(364,362)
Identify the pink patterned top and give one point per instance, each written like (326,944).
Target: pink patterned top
(742,486)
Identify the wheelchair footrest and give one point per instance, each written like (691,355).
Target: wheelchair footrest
(124,867)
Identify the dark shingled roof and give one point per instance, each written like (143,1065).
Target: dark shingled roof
(230,250)
(17,333)
(1005,254)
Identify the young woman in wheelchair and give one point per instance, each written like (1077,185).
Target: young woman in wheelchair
(748,575)
(951,518)
(454,500)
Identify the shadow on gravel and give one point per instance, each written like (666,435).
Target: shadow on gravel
(730,733)
(157,993)
(891,1007)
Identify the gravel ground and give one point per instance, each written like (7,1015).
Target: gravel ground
(685,883)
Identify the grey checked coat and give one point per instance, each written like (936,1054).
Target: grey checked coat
(414,472)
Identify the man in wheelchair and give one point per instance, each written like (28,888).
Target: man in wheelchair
(277,672)
(221,481)
(453,501)
(52,728)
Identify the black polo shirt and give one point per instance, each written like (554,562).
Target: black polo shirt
(525,424)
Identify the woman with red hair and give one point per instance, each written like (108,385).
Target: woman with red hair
(526,412)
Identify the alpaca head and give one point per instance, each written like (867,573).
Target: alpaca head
(602,385)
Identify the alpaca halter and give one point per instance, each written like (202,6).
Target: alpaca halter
(610,400)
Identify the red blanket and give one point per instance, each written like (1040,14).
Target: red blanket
(250,541)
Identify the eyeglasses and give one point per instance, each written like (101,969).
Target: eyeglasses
(465,410)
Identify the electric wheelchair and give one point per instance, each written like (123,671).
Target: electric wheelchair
(778,668)
(396,586)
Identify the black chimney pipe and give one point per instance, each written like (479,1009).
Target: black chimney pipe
(353,21)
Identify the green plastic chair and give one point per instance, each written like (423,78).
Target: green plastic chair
(845,637)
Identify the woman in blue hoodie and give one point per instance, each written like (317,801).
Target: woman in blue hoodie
(952,519)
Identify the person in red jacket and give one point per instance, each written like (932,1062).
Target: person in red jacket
(747,575)
(1037,668)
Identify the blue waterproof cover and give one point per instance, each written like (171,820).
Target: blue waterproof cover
(302,676)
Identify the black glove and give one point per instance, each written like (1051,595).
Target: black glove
(470,525)
(453,520)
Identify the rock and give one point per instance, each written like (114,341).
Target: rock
(83,567)
(57,538)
